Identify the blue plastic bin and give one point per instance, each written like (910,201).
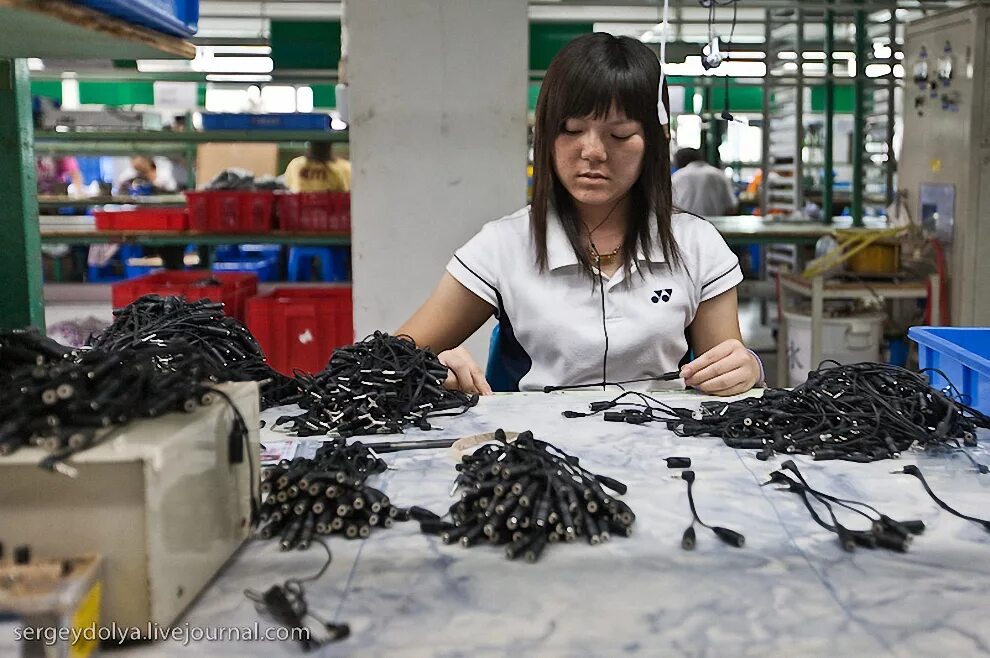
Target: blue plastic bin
(273,121)
(265,268)
(176,17)
(134,271)
(962,354)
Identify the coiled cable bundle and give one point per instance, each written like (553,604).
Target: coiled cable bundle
(229,351)
(380,385)
(527,494)
(71,405)
(862,413)
(324,495)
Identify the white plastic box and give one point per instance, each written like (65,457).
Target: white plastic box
(160,503)
(847,340)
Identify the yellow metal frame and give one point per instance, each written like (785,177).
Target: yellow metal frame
(851,242)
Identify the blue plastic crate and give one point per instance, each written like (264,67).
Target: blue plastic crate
(274,121)
(108,273)
(176,17)
(962,354)
(266,268)
(134,271)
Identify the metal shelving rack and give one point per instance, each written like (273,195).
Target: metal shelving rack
(783,112)
(53,29)
(785,115)
(880,168)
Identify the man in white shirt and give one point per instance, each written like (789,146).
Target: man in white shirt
(699,187)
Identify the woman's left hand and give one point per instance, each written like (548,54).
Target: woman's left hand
(726,369)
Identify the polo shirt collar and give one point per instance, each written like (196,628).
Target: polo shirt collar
(560,253)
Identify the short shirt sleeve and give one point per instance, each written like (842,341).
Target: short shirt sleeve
(717,268)
(476,265)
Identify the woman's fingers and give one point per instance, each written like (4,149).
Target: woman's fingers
(484,388)
(730,383)
(463,373)
(726,369)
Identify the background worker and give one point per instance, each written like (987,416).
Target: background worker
(699,187)
(319,170)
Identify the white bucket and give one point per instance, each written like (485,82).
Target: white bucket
(846,340)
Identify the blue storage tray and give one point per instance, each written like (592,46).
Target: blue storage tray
(274,121)
(962,354)
(266,269)
(177,17)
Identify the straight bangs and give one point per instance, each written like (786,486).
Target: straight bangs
(593,87)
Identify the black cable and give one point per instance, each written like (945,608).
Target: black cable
(228,349)
(916,472)
(883,531)
(601,284)
(380,385)
(526,494)
(287,604)
(601,288)
(328,494)
(689,538)
(861,412)
(83,398)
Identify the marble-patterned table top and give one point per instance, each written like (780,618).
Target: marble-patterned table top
(791,591)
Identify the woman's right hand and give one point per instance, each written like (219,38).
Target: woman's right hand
(465,374)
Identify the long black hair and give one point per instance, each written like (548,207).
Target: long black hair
(586,78)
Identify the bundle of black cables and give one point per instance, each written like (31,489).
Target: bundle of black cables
(526,494)
(229,351)
(21,348)
(72,404)
(325,495)
(862,412)
(378,386)
(882,532)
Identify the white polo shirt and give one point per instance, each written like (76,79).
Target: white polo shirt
(551,321)
(701,188)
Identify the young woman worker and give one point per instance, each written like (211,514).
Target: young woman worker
(600,279)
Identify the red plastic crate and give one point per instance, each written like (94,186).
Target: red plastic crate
(314,211)
(231,288)
(231,211)
(144,219)
(198,209)
(298,328)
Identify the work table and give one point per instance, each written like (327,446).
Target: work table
(789,591)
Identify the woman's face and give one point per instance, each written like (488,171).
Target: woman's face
(598,160)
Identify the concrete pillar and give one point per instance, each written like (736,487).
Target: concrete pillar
(437,108)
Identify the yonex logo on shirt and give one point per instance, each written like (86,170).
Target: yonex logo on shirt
(661,295)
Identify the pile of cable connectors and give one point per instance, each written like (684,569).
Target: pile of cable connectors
(229,351)
(70,403)
(380,385)
(20,348)
(861,413)
(526,494)
(325,495)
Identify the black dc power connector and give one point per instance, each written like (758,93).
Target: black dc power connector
(689,538)
(527,494)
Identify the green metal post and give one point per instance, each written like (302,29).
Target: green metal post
(21,301)
(828,182)
(711,144)
(859,119)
